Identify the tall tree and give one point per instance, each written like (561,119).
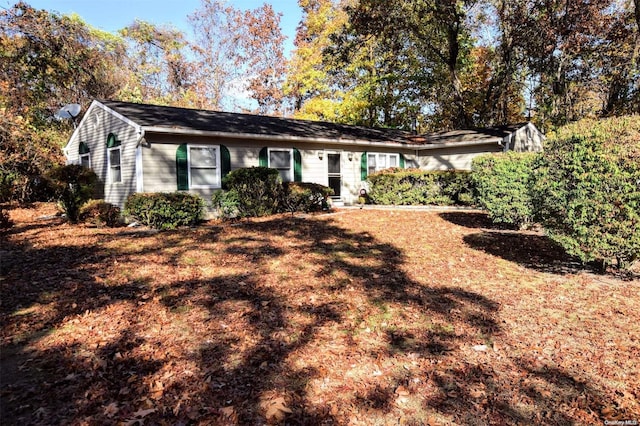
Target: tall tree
(260,39)
(563,37)
(314,92)
(46,60)
(157,61)
(239,54)
(215,48)
(435,32)
(620,59)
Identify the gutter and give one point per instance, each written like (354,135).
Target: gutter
(331,141)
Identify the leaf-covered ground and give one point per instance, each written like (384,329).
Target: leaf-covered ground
(359,317)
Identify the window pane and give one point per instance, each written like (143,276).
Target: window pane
(203,157)
(85,161)
(204,177)
(382,161)
(285,175)
(333,163)
(371,160)
(114,157)
(393,161)
(116,175)
(279,159)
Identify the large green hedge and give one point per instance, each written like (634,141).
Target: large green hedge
(305,196)
(503,184)
(254,191)
(419,187)
(588,189)
(165,210)
(259,191)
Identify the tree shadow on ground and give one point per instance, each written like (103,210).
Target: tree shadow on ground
(473,220)
(237,353)
(532,251)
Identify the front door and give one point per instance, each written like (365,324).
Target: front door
(334,173)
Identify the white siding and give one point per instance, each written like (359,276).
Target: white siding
(527,139)
(455,158)
(93,131)
(159,161)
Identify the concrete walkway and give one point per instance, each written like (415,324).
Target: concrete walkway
(411,208)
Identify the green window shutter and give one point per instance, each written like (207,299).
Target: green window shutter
(84,149)
(225,160)
(182,168)
(297,166)
(262,157)
(112,140)
(363,166)
(401,161)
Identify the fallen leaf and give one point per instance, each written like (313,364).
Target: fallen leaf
(143,413)
(157,390)
(111,410)
(402,391)
(275,409)
(228,412)
(477,393)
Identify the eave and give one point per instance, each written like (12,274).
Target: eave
(328,141)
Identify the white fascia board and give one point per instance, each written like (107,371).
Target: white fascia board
(97,104)
(330,141)
(119,116)
(77,129)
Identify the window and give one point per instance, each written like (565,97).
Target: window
(85,160)
(377,162)
(204,166)
(85,157)
(113,159)
(282,160)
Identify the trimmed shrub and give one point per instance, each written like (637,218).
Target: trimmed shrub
(419,187)
(588,190)
(256,191)
(165,210)
(305,196)
(226,203)
(72,186)
(100,213)
(503,187)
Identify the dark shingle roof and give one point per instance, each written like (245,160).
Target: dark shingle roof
(214,121)
(486,133)
(169,118)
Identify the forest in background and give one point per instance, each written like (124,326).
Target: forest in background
(419,65)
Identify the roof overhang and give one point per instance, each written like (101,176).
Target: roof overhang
(97,104)
(329,141)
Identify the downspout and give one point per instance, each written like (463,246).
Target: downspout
(139,172)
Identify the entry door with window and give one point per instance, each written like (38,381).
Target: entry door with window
(334,173)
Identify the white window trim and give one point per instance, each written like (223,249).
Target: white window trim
(88,155)
(291,160)
(388,155)
(218,170)
(139,174)
(119,148)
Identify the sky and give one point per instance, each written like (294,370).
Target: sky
(112,15)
